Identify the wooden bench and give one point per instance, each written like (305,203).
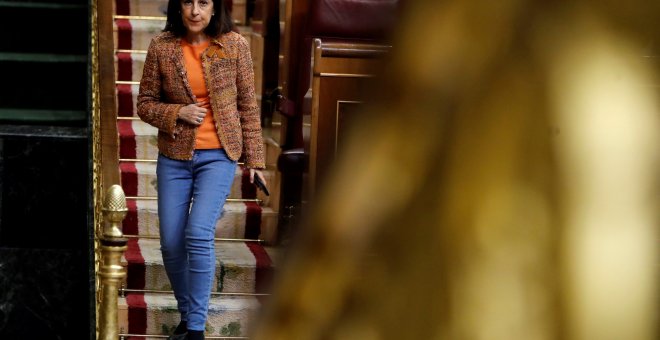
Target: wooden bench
(347,38)
(341,71)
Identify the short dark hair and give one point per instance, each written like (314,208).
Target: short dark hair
(220,23)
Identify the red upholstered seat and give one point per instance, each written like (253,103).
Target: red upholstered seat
(353,19)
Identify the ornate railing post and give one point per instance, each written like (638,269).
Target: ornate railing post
(113,245)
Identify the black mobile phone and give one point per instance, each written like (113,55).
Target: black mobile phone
(260,184)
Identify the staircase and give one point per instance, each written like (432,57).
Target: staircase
(246,232)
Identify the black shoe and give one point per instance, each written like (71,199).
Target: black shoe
(181,332)
(183,336)
(195,335)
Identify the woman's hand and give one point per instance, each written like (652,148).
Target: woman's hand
(258,173)
(193,113)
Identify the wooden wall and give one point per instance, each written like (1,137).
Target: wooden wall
(341,73)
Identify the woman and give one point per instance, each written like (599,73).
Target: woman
(197,88)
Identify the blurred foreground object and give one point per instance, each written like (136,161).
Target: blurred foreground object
(506,187)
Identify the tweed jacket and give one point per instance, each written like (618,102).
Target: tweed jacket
(164,89)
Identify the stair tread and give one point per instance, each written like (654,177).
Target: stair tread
(240,220)
(167,301)
(139,180)
(135,24)
(137,127)
(143,7)
(238,266)
(151,205)
(157,314)
(227,253)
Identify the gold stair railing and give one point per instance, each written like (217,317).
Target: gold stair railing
(111,273)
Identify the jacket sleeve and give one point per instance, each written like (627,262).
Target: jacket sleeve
(248,109)
(150,108)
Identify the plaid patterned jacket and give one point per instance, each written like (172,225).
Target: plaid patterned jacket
(229,77)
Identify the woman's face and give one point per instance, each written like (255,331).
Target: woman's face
(196,14)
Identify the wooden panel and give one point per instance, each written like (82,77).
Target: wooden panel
(258,61)
(352,66)
(346,113)
(334,101)
(339,81)
(239,12)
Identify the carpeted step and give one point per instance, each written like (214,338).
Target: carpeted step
(141,7)
(137,140)
(240,220)
(139,179)
(135,34)
(241,267)
(127,100)
(129,66)
(156,314)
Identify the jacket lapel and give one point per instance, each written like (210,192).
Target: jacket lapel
(177,59)
(215,50)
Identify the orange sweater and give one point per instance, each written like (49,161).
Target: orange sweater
(207,136)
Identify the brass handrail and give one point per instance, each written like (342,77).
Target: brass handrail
(111,272)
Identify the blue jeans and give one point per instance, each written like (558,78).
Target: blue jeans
(191,195)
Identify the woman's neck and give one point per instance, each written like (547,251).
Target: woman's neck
(195,39)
